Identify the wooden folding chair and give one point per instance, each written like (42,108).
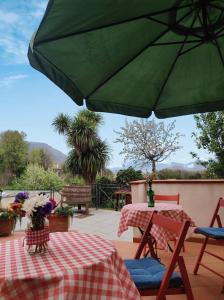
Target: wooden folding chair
(216,233)
(153,278)
(165,198)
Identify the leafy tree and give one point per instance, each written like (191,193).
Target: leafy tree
(211,138)
(36,178)
(104,180)
(126,175)
(89,153)
(13,154)
(147,142)
(40,157)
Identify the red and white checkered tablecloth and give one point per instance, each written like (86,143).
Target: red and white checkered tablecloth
(76,266)
(137,215)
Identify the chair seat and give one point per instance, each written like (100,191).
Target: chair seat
(212,232)
(148,273)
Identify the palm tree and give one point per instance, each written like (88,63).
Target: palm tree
(89,153)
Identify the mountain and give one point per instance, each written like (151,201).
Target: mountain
(57,156)
(191,166)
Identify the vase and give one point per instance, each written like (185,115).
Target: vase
(36,240)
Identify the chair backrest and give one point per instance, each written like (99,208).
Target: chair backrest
(216,216)
(180,230)
(164,198)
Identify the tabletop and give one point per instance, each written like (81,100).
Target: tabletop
(138,214)
(76,266)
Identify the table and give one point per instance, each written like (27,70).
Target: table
(76,266)
(138,215)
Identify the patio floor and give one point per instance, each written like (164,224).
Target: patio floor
(99,221)
(206,285)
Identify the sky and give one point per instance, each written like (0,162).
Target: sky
(29,101)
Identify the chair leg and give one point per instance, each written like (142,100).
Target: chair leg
(200,256)
(183,245)
(185,278)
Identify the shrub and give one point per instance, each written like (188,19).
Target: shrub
(104,180)
(36,178)
(126,175)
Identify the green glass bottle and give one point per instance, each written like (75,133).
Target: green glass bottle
(150,193)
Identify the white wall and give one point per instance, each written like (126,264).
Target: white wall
(198,197)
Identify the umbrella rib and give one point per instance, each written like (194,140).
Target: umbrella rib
(215,6)
(157,21)
(133,58)
(198,14)
(176,43)
(188,50)
(110,25)
(172,67)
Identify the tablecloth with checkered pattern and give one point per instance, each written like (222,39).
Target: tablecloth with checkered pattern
(76,266)
(138,215)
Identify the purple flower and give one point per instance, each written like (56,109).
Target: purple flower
(47,208)
(21,197)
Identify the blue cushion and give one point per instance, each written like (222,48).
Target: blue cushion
(212,232)
(147,273)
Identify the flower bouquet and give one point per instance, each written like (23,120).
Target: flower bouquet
(37,233)
(7,221)
(17,205)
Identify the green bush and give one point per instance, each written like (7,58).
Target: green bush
(36,178)
(104,180)
(126,175)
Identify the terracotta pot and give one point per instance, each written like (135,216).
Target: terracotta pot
(6,226)
(58,223)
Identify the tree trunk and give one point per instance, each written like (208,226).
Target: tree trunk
(154,175)
(153,166)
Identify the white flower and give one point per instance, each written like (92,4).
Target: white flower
(31,204)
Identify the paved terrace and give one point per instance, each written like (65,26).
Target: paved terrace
(206,285)
(101,222)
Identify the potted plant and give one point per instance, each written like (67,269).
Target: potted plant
(7,221)
(60,219)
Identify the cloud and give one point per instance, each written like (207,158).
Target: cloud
(9,80)
(19,19)
(14,51)
(8,17)
(39,8)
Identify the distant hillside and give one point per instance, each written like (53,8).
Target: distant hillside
(191,166)
(57,156)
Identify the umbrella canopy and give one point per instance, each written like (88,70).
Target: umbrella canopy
(133,57)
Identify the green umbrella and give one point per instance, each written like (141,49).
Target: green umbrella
(134,56)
